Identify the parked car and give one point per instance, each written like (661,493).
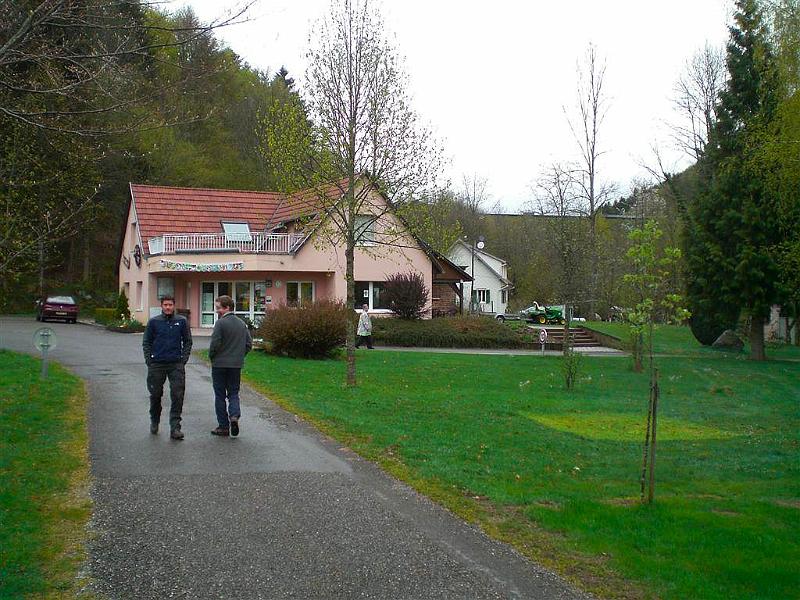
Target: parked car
(542,314)
(57,307)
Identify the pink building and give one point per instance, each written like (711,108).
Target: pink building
(262,249)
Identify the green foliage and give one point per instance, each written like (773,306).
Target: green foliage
(570,366)
(44,461)
(556,464)
(125,325)
(123,309)
(406,294)
(435,221)
(106,316)
(733,222)
(649,281)
(314,330)
(445,332)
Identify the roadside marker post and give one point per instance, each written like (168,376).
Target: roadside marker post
(44,340)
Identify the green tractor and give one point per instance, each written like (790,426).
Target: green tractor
(543,314)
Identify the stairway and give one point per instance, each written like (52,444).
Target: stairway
(580,337)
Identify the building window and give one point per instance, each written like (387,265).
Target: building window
(483,296)
(299,292)
(165,286)
(237,232)
(364,229)
(504,296)
(370,293)
(139,298)
(134,238)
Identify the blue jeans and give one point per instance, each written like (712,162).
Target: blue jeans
(226,382)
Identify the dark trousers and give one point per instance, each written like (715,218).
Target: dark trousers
(360,339)
(157,374)
(226,381)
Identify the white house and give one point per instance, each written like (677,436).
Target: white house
(490,287)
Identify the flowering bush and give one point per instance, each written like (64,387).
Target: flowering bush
(126,325)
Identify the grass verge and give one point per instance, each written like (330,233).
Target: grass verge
(497,440)
(44,466)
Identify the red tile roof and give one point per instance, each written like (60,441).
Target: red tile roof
(161,210)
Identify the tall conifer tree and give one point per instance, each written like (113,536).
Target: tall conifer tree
(733,220)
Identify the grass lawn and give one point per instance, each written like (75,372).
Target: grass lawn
(44,501)
(680,341)
(498,441)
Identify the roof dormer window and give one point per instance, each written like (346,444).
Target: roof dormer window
(237,232)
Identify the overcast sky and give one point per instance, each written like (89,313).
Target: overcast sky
(492,79)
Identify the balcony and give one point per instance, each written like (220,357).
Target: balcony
(252,243)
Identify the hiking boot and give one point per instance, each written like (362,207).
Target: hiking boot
(220,431)
(234,427)
(154,427)
(176,434)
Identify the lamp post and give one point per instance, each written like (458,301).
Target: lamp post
(479,244)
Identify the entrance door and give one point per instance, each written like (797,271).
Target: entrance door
(249,298)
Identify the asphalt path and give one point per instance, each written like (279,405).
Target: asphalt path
(280,512)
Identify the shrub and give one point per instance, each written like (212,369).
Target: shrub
(313,330)
(406,294)
(126,326)
(446,332)
(104,316)
(123,310)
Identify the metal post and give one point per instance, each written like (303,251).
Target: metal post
(472,283)
(44,362)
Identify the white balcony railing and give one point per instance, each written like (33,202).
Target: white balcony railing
(254,243)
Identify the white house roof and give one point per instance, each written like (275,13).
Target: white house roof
(479,254)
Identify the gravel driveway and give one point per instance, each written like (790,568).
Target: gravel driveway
(280,512)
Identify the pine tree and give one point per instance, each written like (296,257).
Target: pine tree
(733,220)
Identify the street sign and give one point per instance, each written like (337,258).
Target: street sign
(44,340)
(44,337)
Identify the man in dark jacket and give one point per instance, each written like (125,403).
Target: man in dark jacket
(230,342)
(167,345)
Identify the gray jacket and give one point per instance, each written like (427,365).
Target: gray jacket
(230,342)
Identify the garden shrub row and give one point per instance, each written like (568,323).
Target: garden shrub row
(105,316)
(446,332)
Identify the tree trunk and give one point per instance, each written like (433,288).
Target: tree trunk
(351,327)
(757,338)
(654,393)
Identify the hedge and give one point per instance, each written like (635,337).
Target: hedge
(104,316)
(446,332)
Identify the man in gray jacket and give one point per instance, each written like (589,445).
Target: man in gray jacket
(230,342)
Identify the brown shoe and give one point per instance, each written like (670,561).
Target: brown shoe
(220,431)
(176,434)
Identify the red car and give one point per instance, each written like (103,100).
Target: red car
(57,307)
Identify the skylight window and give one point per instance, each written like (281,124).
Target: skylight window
(237,232)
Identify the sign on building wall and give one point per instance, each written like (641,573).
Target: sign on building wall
(172,265)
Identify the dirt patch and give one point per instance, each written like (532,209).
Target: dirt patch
(623,501)
(788,502)
(726,513)
(549,504)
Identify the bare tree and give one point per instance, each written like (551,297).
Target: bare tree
(366,153)
(558,200)
(474,194)
(592,106)
(696,93)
